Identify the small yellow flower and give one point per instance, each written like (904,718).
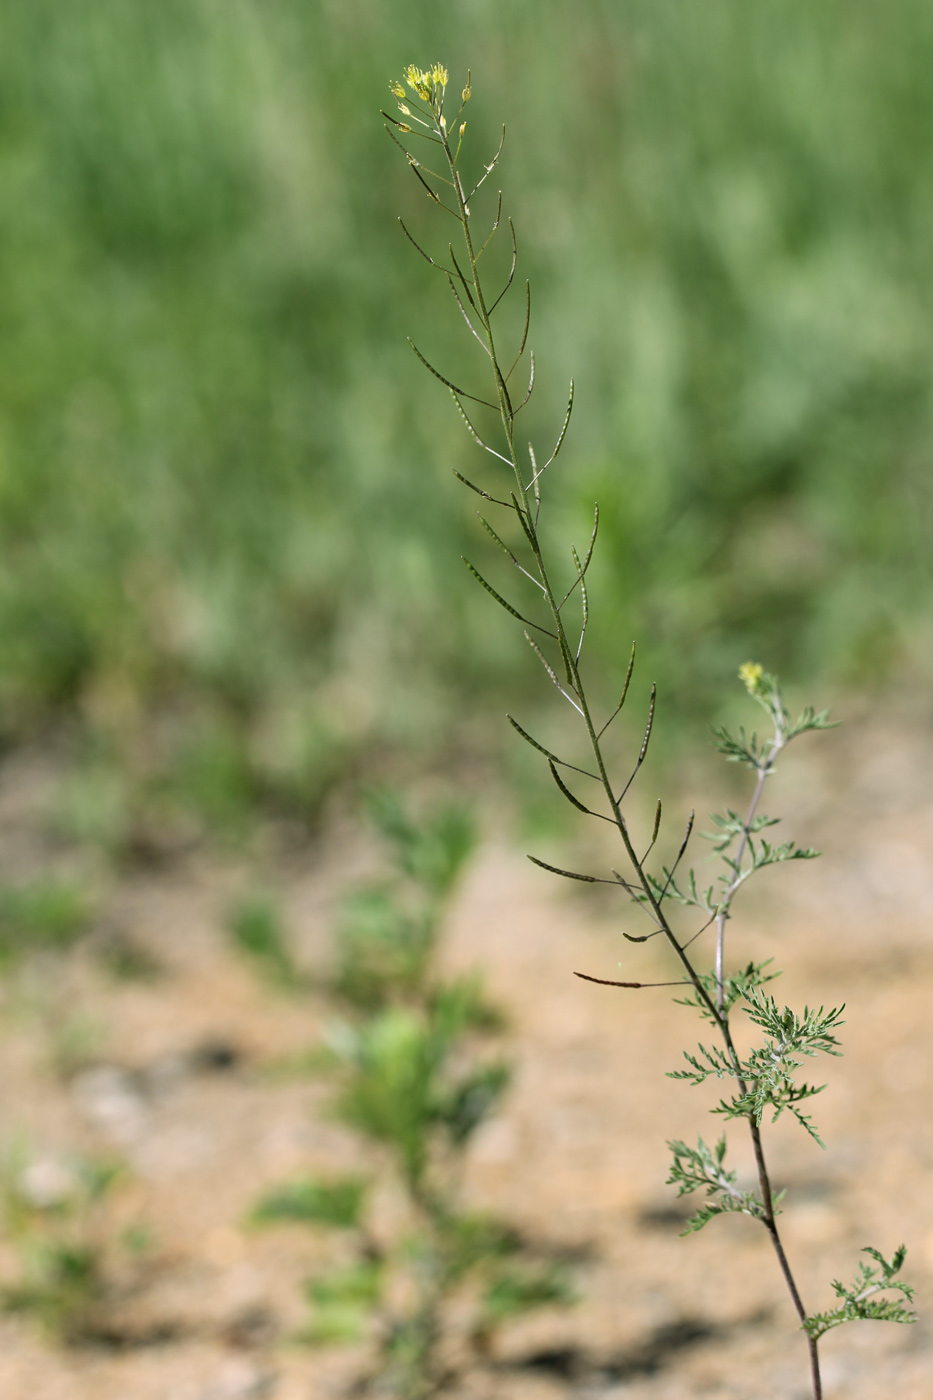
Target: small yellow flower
(751,673)
(419,82)
(425,82)
(396,88)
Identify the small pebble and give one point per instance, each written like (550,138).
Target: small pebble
(241,1379)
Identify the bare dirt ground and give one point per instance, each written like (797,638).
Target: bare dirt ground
(179,1075)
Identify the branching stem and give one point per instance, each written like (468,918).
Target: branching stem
(722,914)
(714,1006)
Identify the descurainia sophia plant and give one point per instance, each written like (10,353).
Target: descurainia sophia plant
(763,1083)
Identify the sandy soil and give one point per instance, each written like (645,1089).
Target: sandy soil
(176,1076)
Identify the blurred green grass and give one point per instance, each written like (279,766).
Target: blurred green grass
(228,535)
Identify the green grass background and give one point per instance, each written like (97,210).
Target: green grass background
(228,530)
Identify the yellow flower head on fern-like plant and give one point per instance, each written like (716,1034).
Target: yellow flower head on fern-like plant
(752,675)
(419,82)
(426,82)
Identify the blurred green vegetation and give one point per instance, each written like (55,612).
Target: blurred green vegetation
(41,914)
(228,533)
(311,1201)
(256,929)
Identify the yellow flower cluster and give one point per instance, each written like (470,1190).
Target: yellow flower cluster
(422,81)
(752,674)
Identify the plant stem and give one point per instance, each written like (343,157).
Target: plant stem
(722,916)
(528,520)
(764,1183)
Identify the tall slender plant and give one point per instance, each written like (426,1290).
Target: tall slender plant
(764,1081)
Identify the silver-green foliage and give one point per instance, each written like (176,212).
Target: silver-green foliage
(862,1300)
(763,1081)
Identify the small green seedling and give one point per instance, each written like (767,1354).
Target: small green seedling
(415,1079)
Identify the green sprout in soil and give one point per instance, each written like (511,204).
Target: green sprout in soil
(415,1078)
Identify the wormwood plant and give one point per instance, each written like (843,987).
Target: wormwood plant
(416,1080)
(763,1083)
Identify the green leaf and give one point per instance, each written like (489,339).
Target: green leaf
(342,1303)
(472,1241)
(769,1070)
(809,719)
(473,1099)
(861,1300)
(515,1291)
(360,1283)
(256,930)
(735,987)
(703,1168)
(313,1202)
(741,749)
(433,851)
(732,826)
(384,949)
(688,894)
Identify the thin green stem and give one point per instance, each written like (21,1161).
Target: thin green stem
(722,914)
(765,769)
(715,1008)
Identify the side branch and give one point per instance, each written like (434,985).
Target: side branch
(609,982)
